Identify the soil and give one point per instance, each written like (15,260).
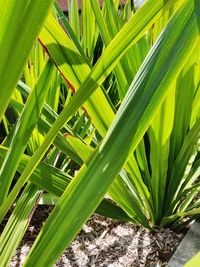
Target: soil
(106,243)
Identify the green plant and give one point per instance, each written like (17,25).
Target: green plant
(132,73)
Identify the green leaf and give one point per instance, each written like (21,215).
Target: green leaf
(89,29)
(128,200)
(20,24)
(74,17)
(189,147)
(24,129)
(185,92)
(119,72)
(18,223)
(160,131)
(195,261)
(75,69)
(54,181)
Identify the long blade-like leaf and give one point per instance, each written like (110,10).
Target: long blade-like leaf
(20,23)
(54,181)
(23,129)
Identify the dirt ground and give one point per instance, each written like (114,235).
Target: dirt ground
(106,243)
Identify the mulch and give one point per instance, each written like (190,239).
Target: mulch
(106,243)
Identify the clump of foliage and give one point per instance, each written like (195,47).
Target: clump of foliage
(104,102)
